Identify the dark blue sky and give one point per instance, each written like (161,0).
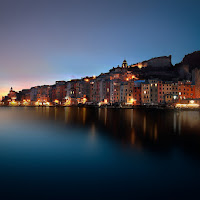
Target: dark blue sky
(46,40)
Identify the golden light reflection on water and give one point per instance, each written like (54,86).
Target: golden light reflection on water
(133,136)
(144,124)
(84,115)
(133,126)
(155,132)
(105,116)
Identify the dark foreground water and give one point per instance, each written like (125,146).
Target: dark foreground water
(79,153)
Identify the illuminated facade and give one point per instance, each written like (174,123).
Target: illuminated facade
(119,85)
(186,90)
(145,93)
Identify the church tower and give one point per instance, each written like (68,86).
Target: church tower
(124,64)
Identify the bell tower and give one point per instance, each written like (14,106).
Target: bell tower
(124,64)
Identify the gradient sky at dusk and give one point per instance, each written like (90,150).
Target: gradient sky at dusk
(42,41)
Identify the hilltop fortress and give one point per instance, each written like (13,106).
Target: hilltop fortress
(163,61)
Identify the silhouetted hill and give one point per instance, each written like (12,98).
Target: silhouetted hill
(193,60)
(189,62)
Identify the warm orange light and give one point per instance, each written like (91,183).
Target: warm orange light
(86,79)
(56,101)
(192,105)
(13,103)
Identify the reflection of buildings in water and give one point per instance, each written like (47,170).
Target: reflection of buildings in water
(55,112)
(132,136)
(47,111)
(134,127)
(144,125)
(105,116)
(156,132)
(179,123)
(84,115)
(191,118)
(185,119)
(131,118)
(174,122)
(67,110)
(99,113)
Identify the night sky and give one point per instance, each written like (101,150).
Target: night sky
(42,41)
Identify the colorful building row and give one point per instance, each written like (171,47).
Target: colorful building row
(118,86)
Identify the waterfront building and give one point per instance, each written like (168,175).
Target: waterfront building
(153,96)
(24,97)
(149,92)
(188,103)
(44,93)
(166,95)
(12,95)
(60,90)
(130,100)
(145,93)
(137,91)
(96,91)
(71,88)
(186,90)
(33,93)
(123,92)
(10,99)
(115,91)
(104,90)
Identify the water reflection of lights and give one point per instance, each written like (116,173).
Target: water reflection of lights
(99,113)
(174,121)
(156,132)
(55,109)
(190,105)
(144,125)
(131,118)
(84,115)
(105,116)
(133,136)
(67,111)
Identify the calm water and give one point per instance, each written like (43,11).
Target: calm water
(79,153)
